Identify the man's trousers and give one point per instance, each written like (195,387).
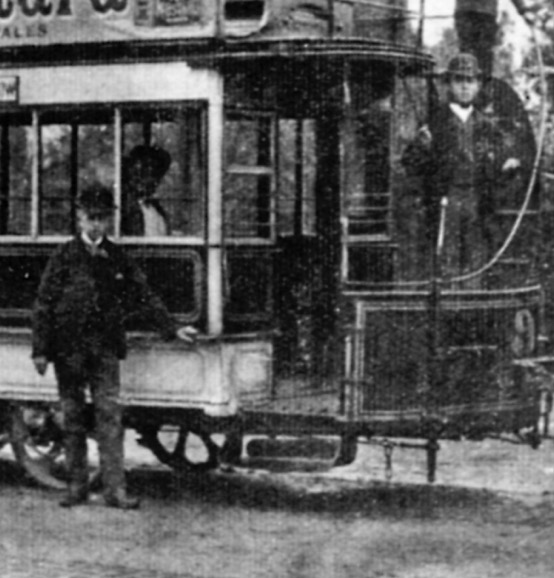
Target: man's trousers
(100,372)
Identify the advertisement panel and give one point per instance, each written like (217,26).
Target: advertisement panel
(44,22)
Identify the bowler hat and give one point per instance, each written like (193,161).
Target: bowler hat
(156,157)
(96,197)
(488,7)
(464,64)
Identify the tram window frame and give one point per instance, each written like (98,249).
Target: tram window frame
(369,208)
(25,255)
(264,174)
(164,111)
(75,119)
(367,173)
(7,122)
(38,117)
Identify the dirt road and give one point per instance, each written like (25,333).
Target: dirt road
(345,523)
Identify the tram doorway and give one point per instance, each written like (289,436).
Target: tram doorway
(306,269)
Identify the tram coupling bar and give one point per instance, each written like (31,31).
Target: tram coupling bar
(431,447)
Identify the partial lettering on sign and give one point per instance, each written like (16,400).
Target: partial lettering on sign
(55,8)
(169,12)
(43,22)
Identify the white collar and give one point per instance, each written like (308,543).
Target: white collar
(88,241)
(462,112)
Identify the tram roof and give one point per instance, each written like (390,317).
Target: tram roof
(214,52)
(355,49)
(75,31)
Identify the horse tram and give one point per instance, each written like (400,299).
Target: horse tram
(294,244)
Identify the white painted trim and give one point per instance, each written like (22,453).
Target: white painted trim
(140,82)
(118,146)
(215,216)
(35,170)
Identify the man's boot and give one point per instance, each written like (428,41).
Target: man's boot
(120,500)
(75,495)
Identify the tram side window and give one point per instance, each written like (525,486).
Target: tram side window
(70,148)
(368,172)
(249,179)
(76,149)
(163,179)
(16,139)
(368,152)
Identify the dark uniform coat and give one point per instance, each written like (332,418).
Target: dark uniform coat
(84,301)
(464,164)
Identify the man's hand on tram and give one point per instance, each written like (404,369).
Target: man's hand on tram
(424,136)
(188,334)
(41,364)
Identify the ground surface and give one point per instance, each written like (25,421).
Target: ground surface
(490,513)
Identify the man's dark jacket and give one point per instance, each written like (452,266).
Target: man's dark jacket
(438,164)
(84,301)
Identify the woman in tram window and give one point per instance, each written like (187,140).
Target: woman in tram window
(143,170)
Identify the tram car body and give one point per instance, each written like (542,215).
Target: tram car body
(295,242)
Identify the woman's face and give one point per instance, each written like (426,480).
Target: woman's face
(142,178)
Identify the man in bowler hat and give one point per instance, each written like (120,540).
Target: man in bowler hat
(462,156)
(476,23)
(87,291)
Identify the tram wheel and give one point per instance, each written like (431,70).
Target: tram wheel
(36,437)
(181,448)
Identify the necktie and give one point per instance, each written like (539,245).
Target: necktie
(96,250)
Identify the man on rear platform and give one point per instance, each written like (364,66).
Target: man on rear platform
(87,291)
(463,156)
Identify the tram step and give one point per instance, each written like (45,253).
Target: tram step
(307,448)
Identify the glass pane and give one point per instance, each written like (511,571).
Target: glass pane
(163,173)
(368,174)
(175,279)
(247,142)
(96,154)
(15,180)
(73,156)
(248,181)
(56,194)
(244,216)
